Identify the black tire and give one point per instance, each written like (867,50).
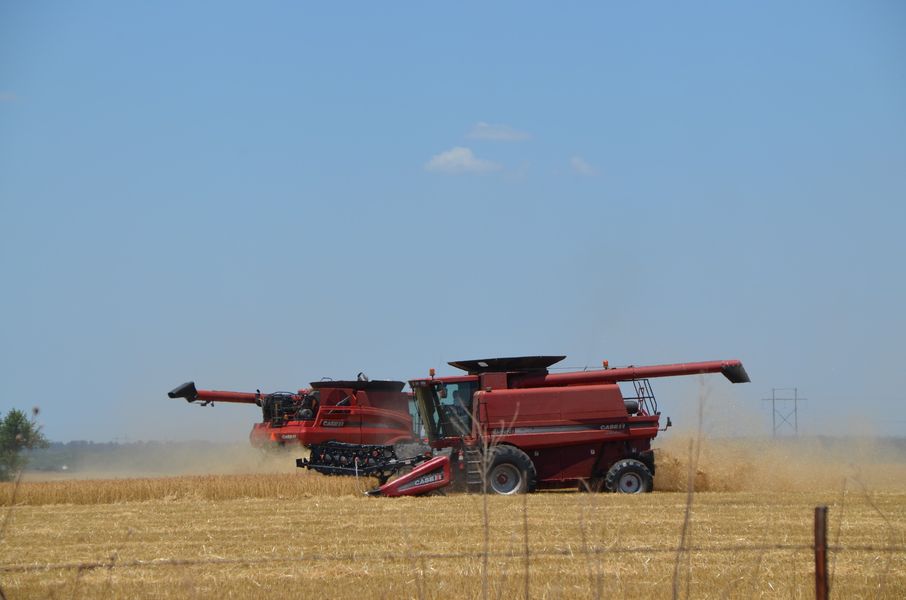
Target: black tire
(628,476)
(510,471)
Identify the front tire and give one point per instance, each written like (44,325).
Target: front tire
(628,476)
(510,471)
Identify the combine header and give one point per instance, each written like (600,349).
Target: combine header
(352,412)
(508,426)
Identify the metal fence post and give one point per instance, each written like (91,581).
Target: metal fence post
(821,585)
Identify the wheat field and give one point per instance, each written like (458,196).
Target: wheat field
(292,535)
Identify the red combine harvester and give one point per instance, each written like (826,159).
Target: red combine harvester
(509,426)
(354,412)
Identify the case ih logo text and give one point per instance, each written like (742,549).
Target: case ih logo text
(327,423)
(429,478)
(423,480)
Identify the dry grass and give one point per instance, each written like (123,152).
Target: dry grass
(285,535)
(294,486)
(354,547)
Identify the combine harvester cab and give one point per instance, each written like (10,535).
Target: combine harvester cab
(352,412)
(509,426)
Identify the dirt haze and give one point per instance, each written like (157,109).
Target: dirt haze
(783,464)
(142,460)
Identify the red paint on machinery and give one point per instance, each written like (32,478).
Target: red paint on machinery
(356,412)
(510,426)
(428,477)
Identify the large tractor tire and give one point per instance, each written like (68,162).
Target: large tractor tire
(510,471)
(628,476)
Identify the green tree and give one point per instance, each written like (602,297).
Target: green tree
(17,433)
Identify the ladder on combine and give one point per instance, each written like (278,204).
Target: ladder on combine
(474,469)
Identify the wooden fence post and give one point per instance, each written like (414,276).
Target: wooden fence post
(821,585)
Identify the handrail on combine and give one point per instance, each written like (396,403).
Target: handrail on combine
(644,395)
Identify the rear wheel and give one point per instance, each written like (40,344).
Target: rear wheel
(510,471)
(628,476)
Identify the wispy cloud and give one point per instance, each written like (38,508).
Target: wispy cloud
(497,133)
(581,167)
(7,96)
(460,160)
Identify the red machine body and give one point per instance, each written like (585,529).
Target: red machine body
(426,478)
(356,412)
(509,426)
(514,427)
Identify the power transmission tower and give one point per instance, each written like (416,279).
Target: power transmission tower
(785,410)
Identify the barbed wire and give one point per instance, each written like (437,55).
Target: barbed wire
(409,556)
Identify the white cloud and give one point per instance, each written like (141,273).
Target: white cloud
(459,160)
(581,167)
(497,133)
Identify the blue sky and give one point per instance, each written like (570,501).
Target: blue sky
(259,195)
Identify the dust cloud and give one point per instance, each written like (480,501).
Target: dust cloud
(720,441)
(780,464)
(156,459)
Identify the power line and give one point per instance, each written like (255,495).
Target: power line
(784,416)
